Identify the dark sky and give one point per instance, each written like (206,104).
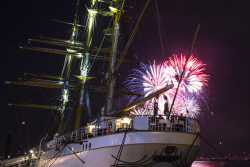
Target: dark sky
(222,44)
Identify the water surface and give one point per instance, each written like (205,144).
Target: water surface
(220,164)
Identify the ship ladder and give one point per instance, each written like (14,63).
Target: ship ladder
(120,150)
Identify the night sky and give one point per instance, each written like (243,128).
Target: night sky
(222,44)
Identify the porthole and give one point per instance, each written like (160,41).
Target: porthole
(89,145)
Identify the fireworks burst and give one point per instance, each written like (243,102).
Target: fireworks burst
(141,111)
(152,78)
(188,107)
(193,79)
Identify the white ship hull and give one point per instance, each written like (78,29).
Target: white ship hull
(140,149)
(162,143)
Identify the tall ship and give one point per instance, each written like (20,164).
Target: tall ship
(91,125)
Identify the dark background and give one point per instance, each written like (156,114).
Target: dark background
(222,44)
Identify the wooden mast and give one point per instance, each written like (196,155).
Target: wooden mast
(65,91)
(117,10)
(112,68)
(85,64)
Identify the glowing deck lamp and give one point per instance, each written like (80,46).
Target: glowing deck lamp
(31,151)
(126,120)
(90,128)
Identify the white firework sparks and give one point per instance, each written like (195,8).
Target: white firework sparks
(145,83)
(141,111)
(193,79)
(154,77)
(188,107)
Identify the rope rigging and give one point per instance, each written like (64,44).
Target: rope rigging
(217,151)
(58,153)
(209,145)
(157,18)
(189,149)
(120,150)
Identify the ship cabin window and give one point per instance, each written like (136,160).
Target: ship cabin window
(86,147)
(82,147)
(89,145)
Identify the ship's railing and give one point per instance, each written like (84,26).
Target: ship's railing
(175,123)
(115,125)
(107,126)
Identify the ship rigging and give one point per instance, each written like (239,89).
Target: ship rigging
(155,140)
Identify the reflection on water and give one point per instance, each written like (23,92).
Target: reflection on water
(209,164)
(219,164)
